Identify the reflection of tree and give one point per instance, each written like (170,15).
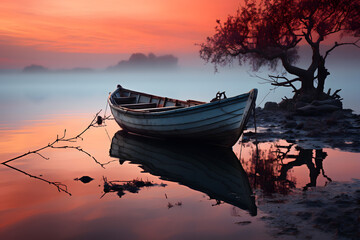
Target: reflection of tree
(263,167)
(305,157)
(268,172)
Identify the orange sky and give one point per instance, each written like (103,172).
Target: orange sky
(30,28)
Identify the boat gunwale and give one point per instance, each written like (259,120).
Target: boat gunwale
(179,110)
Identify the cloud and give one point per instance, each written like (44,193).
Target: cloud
(109,26)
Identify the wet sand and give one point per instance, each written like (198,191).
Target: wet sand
(330,212)
(327,212)
(339,129)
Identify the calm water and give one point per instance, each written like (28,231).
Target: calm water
(190,185)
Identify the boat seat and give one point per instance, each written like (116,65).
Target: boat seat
(139,105)
(160,109)
(124,100)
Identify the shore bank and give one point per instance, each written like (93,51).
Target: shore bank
(330,212)
(327,212)
(339,129)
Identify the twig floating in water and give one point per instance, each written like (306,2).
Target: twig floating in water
(61,139)
(132,186)
(61,187)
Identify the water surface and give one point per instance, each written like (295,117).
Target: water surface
(187,198)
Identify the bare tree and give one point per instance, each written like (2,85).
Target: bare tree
(269,32)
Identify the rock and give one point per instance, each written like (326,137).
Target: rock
(271,106)
(312,203)
(290,124)
(287,105)
(300,126)
(300,104)
(331,122)
(314,133)
(307,110)
(289,116)
(334,102)
(307,98)
(304,215)
(316,110)
(327,108)
(258,109)
(84,179)
(289,231)
(336,115)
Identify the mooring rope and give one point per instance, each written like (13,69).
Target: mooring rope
(107,103)
(257,147)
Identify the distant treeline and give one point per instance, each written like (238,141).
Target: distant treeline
(41,69)
(140,60)
(136,61)
(35,68)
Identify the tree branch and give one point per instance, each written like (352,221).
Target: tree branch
(287,83)
(341,44)
(292,69)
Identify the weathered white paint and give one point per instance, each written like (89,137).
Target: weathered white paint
(220,122)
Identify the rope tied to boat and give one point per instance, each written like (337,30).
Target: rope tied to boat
(256,144)
(107,104)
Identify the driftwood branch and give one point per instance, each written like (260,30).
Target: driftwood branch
(57,140)
(132,186)
(96,122)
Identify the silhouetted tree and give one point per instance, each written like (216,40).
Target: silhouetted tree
(267,32)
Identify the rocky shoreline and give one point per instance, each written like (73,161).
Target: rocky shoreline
(330,212)
(336,128)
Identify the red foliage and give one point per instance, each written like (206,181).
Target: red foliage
(266,32)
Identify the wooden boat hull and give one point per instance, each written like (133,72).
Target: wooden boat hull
(220,122)
(215,171)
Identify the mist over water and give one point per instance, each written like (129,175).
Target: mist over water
(36,108)
(31,96)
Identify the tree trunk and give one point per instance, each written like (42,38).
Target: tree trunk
(307,92)
(322,74)
(307,86)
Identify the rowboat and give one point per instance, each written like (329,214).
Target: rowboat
(219,122)
(214,171)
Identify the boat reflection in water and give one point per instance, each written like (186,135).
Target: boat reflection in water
(214,171)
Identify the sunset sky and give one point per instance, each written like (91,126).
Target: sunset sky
(93,33)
